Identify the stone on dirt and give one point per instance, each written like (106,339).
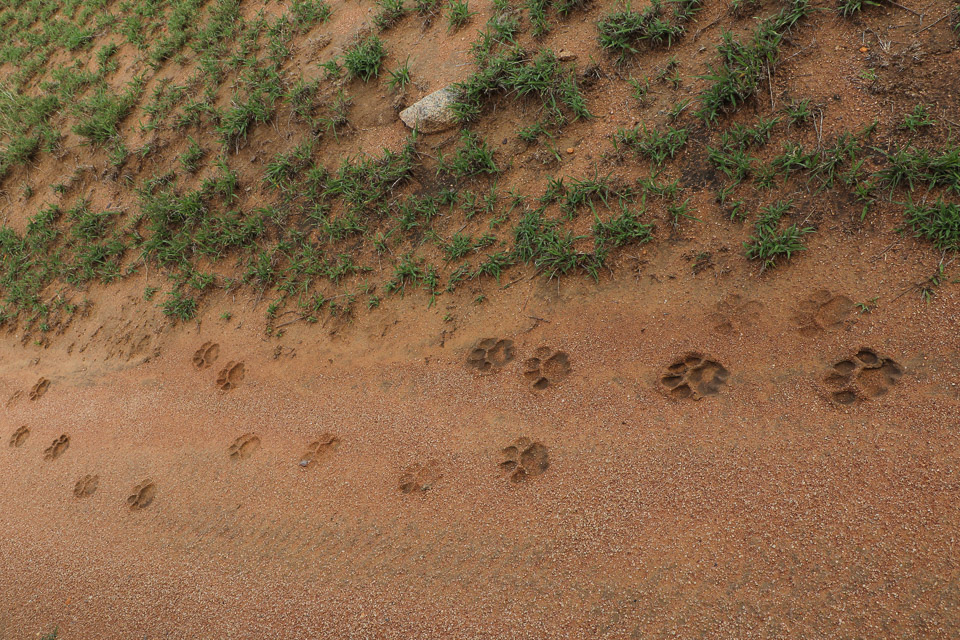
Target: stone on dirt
(431,114)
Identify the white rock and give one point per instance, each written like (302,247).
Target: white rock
(431,114)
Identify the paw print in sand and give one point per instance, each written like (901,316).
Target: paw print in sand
(19,436)
(420,476)
(244,446)
(86,486)
(489,355)
(230,376)
(862,376)
(40,388)
(318,449)
(546,367)
(142,495)
(206,355)
(823,311)
(524,459)
(694,376)
(56,449)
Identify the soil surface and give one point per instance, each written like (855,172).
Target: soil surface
(687,446)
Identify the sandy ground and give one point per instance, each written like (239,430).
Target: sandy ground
(765,510)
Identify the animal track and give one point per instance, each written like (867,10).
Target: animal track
(419,476)
(822,311)
(37,391)
(318,449)
(19,436)
(546,367)
(142,495)
(86,486)
(694,376)
(206,355)
(490,354)
(524,459)
(733,314)
(56,449)
(862,376)
(244,446)
(12,400)
(230,376)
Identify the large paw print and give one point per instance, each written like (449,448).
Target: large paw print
(206,355)
(490,354)
(546,367)
(863,376)
(822,311)
(524,459)
(694,376)
(86,486)
(420,476)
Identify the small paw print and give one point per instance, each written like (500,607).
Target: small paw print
(420,476)
(524,459)
(546,367)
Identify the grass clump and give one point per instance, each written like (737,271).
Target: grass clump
(847,8)
(625,31)
(101,113)
(939,223)
(363,59)
(515,73)
(745,64)
(474,157)
(769,242)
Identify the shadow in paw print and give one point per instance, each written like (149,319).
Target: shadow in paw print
(86,486)
(862,376)
(206,355)
(694,376)
(244,446)
(230,376)
(19,437)
(490,355)
(823,311)
(142,495)
(524,459)
(420,476)
(319,449)
(546,367)
(56,449)
(40,388)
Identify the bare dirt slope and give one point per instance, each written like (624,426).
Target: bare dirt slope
(613,421)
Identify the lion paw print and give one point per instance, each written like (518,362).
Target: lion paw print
(206,355)
(230,376)
(142,495)
(490,354)
(420,476)
(56,449)
(86,486)
(244,446)
(822,311)
(318,450)
(546,367)
(19,437)
(40,388)
(524,458)
(694,376)
(863,376)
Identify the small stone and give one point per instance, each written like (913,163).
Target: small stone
(569,149)
(432,113)
(864,49)
(566,56)
(304,463)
